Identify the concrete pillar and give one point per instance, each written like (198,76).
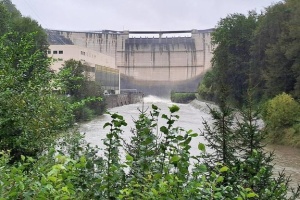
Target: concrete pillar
(120,51)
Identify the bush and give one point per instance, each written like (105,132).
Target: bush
(157,165)
(178,97)
(83,113)
(281,111)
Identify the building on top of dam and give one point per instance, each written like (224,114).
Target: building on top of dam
(156,60)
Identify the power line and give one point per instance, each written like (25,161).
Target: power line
(42,21)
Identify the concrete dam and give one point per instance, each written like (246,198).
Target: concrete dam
(155,63)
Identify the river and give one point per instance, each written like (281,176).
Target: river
(191,117)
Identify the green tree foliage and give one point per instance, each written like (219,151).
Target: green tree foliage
(25,25)
(231,57)
(4,18)
(206,88)
(11,8)
(73,81)
(72,78)
(220,137)
(258,52)
(238,146)
(30,114)
(292,51)
(269,49)
(281,111)
(14,21)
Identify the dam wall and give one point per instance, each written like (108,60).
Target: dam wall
(165,59)
(159,58)
(122,99)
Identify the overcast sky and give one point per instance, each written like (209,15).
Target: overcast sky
(85,15)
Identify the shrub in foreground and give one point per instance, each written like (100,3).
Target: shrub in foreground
(157,165)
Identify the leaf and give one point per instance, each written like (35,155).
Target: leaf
(82,159)
(65,189)
(252,194)
(164,116)
(187,141)
(154,191)
(107,124)
(164,129)
(224,169)
(154,107)
(194,135)
(174,108)
(52,178)
(202,168)
(201,147)
(115,116)
(129,157)
(175,158)
(179,137)
(220,179)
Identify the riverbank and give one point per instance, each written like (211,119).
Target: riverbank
(286,156)
(285,136)
(289,136)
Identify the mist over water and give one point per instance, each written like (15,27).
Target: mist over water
(155,99)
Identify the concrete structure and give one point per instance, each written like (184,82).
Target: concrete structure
(164,59)
(102,67)
(61,53)
(158,59)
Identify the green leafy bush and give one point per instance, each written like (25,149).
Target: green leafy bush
(31,115)
(281,111)
(73,83)
(179,97)
(157,165)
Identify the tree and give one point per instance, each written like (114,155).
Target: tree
(275,50)
(237,144)
(293,48)
(231,60)
(72,78)
(4,18)
(76,85)
(31,116)
(26,25)
(14,21)
(11,8)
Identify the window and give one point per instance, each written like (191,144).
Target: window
(49,51)
(54,52)
(60,52)
(82,53)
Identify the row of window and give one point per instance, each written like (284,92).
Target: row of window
(55,52)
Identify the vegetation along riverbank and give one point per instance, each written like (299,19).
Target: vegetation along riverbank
(256,60)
